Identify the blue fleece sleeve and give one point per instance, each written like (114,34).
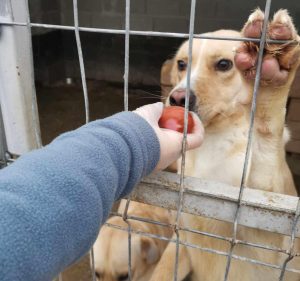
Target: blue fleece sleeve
(54,200)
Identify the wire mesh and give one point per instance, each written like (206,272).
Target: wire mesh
(184,141)
(233,241)
(250,133)
(290,251)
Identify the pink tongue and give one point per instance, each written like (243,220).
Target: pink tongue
(172,124)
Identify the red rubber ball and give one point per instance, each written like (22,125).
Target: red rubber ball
(173,118)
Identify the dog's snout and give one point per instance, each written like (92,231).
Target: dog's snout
(178,98)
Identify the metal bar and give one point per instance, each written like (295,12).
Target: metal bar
(92,264)
(126,59)
(184,142)
(259,209)
(208,250)
(126,77)
(250,132)
(146,220)
(86,100)
(145,33)
(3,145)
(81,62)
(220,237)
(125,218)
(292,243)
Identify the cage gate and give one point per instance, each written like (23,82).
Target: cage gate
(20,133)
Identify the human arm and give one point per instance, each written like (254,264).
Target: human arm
(54,200)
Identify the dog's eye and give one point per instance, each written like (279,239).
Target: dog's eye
(224,65)
(123,277)
(181,65)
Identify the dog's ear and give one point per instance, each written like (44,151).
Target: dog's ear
(149,250)
(165,77)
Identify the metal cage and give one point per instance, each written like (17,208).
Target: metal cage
(240,206)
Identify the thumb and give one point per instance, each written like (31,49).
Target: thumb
(151,112)
(157,109)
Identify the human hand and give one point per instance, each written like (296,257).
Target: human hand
(170,141)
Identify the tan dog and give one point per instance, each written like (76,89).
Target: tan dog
(111,247)
(222,80)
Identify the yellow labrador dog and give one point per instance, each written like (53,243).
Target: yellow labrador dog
(222,81)
(111,246)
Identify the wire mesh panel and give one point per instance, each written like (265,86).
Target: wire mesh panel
(239,207)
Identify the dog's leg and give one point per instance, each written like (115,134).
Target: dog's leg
(268,167)
(164,270)
(279,65)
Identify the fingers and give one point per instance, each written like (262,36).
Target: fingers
(195,139)
(157,109)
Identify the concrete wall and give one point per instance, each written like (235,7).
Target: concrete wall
(158,15)
(56,54)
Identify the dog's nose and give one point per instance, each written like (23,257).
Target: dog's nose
(178,98)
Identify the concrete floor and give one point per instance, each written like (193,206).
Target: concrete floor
(61,109)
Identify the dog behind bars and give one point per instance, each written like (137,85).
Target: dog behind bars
(222,82)
(111,247)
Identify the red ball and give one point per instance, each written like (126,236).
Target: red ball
(173,118)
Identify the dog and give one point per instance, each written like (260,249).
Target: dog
(221,87)
(111,246)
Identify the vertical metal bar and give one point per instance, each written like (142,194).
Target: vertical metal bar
(126,62)
(126,78)
(86,100)
(81,62)
(290,251)
(92,264)
(125,218)
(184,142)
(250,133)
(3,146)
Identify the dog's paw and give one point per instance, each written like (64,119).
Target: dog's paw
(279,59)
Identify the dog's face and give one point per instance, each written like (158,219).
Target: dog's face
(216,86)
(111,254)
